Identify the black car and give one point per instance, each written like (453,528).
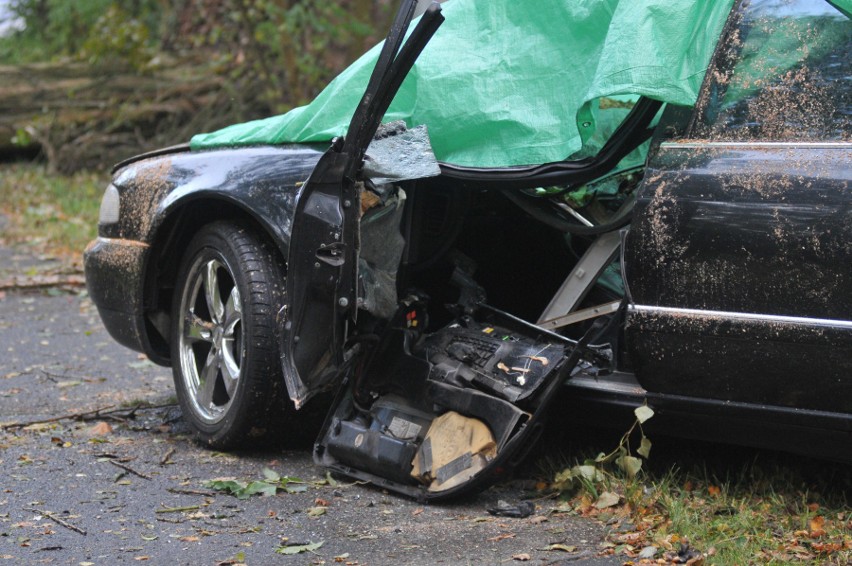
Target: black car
(714,282)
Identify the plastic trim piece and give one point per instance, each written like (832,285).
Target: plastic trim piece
(824,322)
(754,144)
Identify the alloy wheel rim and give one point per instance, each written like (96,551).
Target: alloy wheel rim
(211,348)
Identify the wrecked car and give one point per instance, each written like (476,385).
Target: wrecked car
(693,255)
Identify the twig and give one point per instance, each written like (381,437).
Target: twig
(129,469)
(42,281)
(190,492)
(165,459)
(95,412)
(57,520)
(88,415)
(50,374)
(178,509)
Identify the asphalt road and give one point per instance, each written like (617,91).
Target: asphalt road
(129,486)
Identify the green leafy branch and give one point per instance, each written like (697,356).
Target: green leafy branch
(271,484)
(592,472)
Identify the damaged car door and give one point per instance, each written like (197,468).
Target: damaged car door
(322,267)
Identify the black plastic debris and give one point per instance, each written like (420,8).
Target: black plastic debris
(519,511)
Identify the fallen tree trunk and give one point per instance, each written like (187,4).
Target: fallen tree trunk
(81,117)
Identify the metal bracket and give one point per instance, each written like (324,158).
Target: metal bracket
(576,286)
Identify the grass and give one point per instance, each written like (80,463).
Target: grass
(720,504)
(56,215)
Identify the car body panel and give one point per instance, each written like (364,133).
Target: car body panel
(744,240)
(264,181)
(156,193)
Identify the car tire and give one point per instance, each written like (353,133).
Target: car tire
(224,336)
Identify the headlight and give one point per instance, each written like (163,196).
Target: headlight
(110,206)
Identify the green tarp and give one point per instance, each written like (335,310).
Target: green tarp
(512,82)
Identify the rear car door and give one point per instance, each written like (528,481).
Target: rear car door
(739,261)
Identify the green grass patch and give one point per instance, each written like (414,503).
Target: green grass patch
(55,214)
(740,507)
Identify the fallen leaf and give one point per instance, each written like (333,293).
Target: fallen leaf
(101,428)
(271,475)
(630,538)
(299,548)
(827,547)
(817,524)
(647,553)
(562,547)
(189,539)
(714,490)
(501,536)
(316,511)
(522,557)
(607,499)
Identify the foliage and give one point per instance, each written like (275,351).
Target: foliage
(299,548)
(286,50)
(766,509)
(272,483)
(57,215)
(90,82)
(281,51)
(59,28)
(117,37)
(593,473)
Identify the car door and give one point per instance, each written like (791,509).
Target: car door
(739,261)
(322,264)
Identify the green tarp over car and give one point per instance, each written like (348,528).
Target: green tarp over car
(509,82)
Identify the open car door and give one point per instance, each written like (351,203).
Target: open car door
(322,266)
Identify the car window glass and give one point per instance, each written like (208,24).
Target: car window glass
(783,74)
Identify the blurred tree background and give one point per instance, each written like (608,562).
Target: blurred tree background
(85,83)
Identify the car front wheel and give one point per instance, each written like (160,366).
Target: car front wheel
(224,337)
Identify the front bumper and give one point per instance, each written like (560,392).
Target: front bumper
(114,273)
